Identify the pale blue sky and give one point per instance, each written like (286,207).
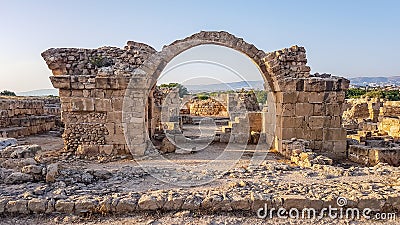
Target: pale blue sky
(347,38)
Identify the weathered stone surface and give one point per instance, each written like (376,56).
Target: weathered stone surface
(52,172)
(126,205)
(84,205)
(64,206)
(167,146)
(17,206)
(21,116)
(18,178)
(94,81)
(37,205)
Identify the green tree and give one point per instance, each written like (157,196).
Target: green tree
(393,95)
(7,93)
(203,96)
(355,93)
(182,89)
(261,96)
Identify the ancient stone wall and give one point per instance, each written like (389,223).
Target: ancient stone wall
(311,109)
(207,107)
(21,116)
(93,84)
(390,126)
(390,109)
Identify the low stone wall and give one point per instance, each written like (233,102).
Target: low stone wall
(299,153)
(21,116)
(391,126)
(390,109)
(371,156)
(208,107)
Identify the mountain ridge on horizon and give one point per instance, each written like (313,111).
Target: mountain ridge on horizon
(255,84)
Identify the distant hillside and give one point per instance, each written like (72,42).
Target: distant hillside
(226,86)
(375,81)
(41,92)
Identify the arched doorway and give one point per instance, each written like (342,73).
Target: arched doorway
(150,71)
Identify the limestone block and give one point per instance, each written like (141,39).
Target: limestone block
(304,109)
(61,82)
(87,150)
(316,97)
(103,83)
(114,116)
(84,205)
(37,205)
(340,146)
(286,109)
(316,121)
(288,133)
(327,146)
(17,206)
(64,206)
(137,149)
(319,109)
(225,137)
(82,104)
(333,109)
(64,93)
(117,103)
(334,134)
(126,205)
(287,97)
(102,105)
(106,149)
(314,85)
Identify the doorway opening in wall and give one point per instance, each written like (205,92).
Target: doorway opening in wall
(206,97)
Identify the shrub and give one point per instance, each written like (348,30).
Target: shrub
(7,93)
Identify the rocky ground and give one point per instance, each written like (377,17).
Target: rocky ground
(182,218)
(35,180)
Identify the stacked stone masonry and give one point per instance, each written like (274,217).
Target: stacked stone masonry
(93,83)
(373,128)
(22,116)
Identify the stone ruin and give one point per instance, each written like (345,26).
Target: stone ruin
(373,127)
(302,119)
(106,94)
(22,116)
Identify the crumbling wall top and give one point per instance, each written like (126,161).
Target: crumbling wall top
(104,60)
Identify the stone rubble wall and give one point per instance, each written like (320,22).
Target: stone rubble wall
(92,84)
(390,126)
(208,107)
(22,116)
(241,103)
(75,61)
(390,109)
(373,115)
(389,119)
(371,156)
(231,104)
(360,114)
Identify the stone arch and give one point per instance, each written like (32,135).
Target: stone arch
(157,62)
(149,72)
(100,86)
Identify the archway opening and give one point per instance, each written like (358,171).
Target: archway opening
(206,97)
